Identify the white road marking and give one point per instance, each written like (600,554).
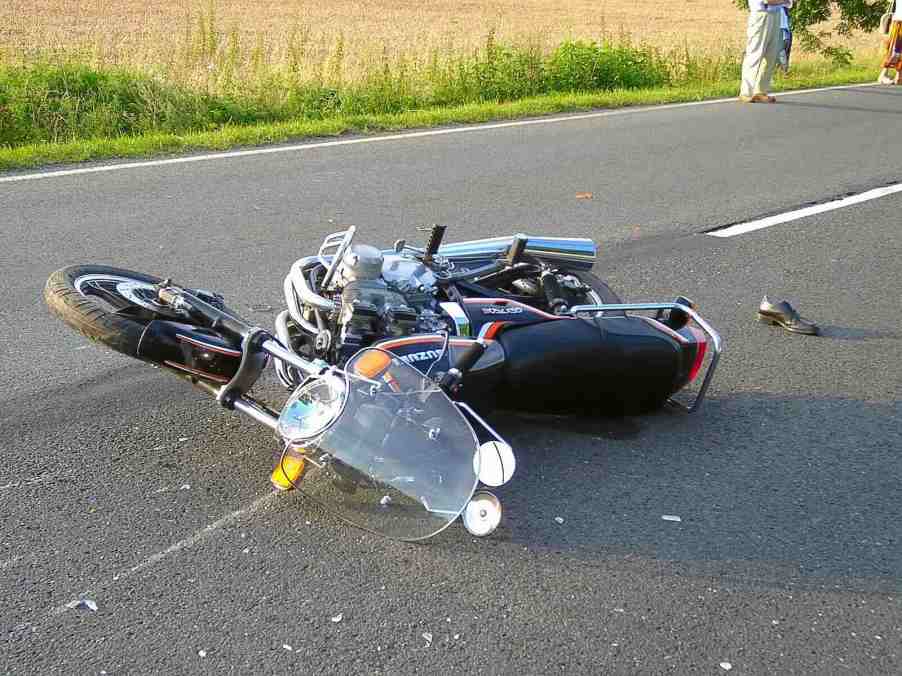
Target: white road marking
(174,548)
(751,226)
(25,482)
(391,137)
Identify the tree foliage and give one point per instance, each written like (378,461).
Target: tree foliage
(850,15)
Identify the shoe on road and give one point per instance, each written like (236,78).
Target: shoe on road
(783,314)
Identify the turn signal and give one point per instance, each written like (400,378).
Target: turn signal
(288,472)
(371,363)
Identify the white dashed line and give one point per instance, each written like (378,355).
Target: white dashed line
(761,223)
(189,541)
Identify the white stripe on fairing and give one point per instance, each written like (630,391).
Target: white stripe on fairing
(390,137)
(761,223)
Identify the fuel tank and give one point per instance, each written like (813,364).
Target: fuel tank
(428,353)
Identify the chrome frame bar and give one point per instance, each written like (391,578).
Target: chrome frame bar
(296,278)
(239,403)
(311,368)
(250,409)
(473,414)
(343,241)
(716,340)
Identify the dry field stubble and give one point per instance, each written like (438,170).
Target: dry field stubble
(157,33)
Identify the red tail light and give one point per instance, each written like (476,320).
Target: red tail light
(701,347)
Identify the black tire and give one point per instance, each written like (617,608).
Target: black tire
(599,286)
(90,317)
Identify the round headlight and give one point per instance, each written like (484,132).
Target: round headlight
(312,408)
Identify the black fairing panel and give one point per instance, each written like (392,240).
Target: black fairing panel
(191,350)
(618,364)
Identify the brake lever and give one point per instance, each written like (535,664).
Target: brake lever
(450,382)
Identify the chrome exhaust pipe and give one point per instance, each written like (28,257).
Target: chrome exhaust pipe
(575,252)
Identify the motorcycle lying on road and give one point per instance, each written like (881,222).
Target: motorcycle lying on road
(389,354)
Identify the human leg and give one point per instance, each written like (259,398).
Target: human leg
(773,43)
(754,53)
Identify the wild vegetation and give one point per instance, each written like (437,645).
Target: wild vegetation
(210,72)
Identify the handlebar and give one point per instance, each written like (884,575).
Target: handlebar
(204,313)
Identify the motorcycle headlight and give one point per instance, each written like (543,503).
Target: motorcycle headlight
(312,408)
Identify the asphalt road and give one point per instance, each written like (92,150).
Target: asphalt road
(122,485)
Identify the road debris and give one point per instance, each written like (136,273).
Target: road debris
(82,603)
(287,647)
(583,195)
(559,519)
(386,500)
(337,618)
(201,653)
(261,307)
(428,637)
(671,517)
(185,487)
(183,439)
(726,666)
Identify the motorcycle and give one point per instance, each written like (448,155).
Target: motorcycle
(388,354)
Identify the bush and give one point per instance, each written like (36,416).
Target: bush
(59,102)
(65,102)
(586,66)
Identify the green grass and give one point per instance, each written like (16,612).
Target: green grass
(56,112)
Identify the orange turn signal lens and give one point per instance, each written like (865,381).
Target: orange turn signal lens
(371,363)
(288,472)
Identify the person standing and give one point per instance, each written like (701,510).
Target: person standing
(892,60)
(762,52)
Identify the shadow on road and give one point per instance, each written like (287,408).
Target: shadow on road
(887,90)
(770,488)
(853,109)
(854,333)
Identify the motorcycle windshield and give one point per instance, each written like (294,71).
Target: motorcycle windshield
(400,459)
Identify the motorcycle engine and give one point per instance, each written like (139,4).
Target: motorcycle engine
(382,297)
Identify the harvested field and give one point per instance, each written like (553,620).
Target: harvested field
(137,32)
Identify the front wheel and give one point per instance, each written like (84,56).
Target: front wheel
(108,305)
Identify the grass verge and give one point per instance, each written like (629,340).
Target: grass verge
(229,135)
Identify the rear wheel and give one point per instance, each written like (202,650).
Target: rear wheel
(600,293)
(108,305)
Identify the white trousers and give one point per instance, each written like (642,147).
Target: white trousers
(761,53)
